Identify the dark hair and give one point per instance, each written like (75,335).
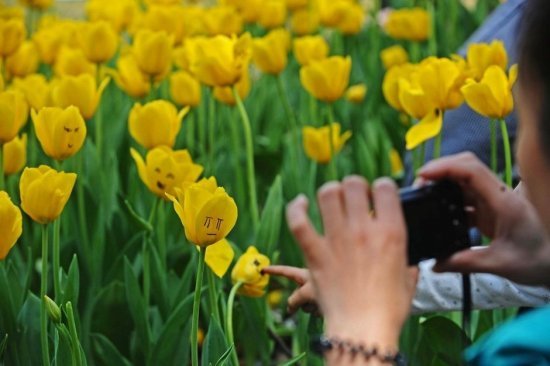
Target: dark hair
(534,61)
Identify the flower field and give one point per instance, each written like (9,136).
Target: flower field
(147,153)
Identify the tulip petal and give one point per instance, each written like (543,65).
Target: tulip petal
(219,257)
(216,218)
(480,98)
(428,127)
(140,164)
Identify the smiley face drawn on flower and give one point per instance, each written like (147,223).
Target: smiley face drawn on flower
(71,135)
(212,225)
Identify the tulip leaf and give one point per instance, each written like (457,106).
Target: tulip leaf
(3,345)
(137,307)
(71,288)
(144,224)
(365,159)
(270,225)
(106,351)
(215,345)
(222,361)
(170,338)
(62,346)
(158,280)
(294,360)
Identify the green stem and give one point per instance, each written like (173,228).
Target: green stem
(507,153)
(212,296)
(493,127)
(332,169)
(98,120)
(196,309)
(293,126)
(229,322)
(211,131)
(432,42)
(145,255)
(2,182)
(43,292)
(312,109)
(56,254)
(235,143)
(249,161)
(74,334)
(437,145)
(161,230)
(190,136)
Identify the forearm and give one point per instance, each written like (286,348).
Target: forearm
(443,292)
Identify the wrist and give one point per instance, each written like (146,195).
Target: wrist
(372,332)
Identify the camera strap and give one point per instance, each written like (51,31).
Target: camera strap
(466,304)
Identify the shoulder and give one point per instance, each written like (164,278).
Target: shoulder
(522,341)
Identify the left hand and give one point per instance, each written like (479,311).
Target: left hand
(359,267)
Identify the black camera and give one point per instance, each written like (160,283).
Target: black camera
(436,220)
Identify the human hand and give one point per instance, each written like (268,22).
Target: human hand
(520,249)
(359,267)
(304,296)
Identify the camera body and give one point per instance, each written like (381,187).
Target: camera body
(436,221)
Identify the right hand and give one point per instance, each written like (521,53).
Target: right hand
(304,296)
(520,249)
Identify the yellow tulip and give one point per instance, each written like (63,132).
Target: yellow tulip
(45,192)
(162,2)
(492,96)
(272,14)
(38,4)
(12,12)
(165,169)
(409,24)
(397,168)
(155,123)
(248,270)
(390,84)
(206,211)
(48,42)
(356,93)
(73,62)
(12,35)
(153,52)
(317,142)
(219,257)
(220,60)
(310,48)
(35,88)
(15,155)
(99,41)
(128,77)
(327,79)
(347,17)
(80,91)
(274,298)
(482,55)
(172,19)
(185,90)
(270,53)
(394,56)
(296,4)
(248,9)
(304,21)
(11,224)
(118,13)
(14,111)
(24,61)
(225,94)
(61,132)
(224,20)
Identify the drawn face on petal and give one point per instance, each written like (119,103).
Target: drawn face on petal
(216,218)
(162,171)
(70,132)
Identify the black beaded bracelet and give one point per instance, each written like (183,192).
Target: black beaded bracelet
(322,345)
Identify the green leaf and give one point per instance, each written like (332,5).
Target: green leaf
(222,361)
(3,345)
(445,339)
(106,351)
(171,335)
(72,285)
(215,344)
(158,281)
(270,224)
(143,223)
(294,360)
(137,307)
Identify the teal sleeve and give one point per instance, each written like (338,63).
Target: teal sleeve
(522,341)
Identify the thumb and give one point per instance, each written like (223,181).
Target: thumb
(468,261)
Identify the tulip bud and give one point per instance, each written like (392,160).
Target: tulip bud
(185,90)
(73,62)
(129,77)
(148,43)
(304,21)
(272,14)
(394,56)
(165,169)
(206,211)
(13,114)
(318,144)
(15,155)
(99,41)
(61,132)
(270,53)
(409,24)
(155,123)
(248,270)
(11,224)
(24,61)
(12,35)
(310,48)
(35,88)
(44,192)
(225,94)
(80,91)
(356,93)
(54,312)
(327,79)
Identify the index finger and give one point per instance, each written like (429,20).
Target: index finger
(298,275)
